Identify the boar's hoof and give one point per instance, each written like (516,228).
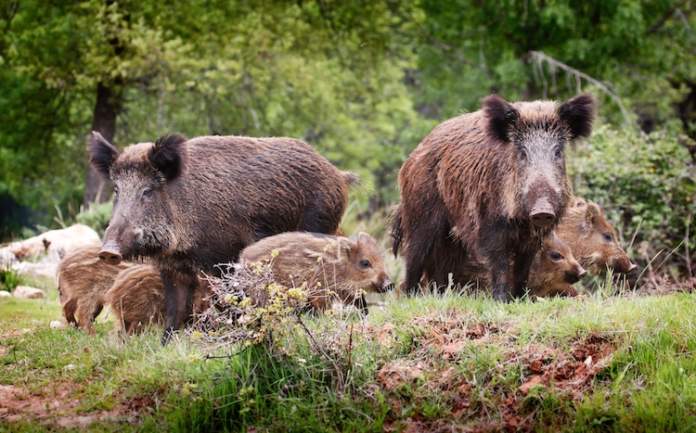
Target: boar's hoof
(167,335)
(502,294)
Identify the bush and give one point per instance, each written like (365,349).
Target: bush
(645,183)
(96,217)
(9,279)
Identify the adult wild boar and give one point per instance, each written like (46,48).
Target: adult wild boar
(497,177)
(193,203)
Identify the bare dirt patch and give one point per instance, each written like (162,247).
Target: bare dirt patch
(570,372)
(56,406)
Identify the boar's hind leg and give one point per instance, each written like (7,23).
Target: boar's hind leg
(178,298)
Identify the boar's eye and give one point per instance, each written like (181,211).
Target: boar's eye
(364,264)
(607,237)
(555,256)
(147,192)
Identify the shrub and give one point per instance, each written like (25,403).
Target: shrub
(646,185)
(9,279)
(96,217)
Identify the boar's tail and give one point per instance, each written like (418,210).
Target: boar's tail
(396,231)
(350,177)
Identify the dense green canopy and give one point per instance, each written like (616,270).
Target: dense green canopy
(363,81)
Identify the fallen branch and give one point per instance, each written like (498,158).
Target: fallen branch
(540,58)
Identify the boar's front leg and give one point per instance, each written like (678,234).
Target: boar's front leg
(178,298)
(523,262)
(494,248)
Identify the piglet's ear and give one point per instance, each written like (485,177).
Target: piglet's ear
(102,154)
(365,239)
(167,155)
(591,214)
(578,113)
(501,117)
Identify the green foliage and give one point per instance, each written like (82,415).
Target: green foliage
(645,183)
(9,279)
(361,81)
(97,217)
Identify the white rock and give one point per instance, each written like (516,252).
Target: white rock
(36,270)
(7,258)
(5,294)
(26,292)
(57,324)
(54,243)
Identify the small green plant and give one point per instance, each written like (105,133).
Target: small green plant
(9,279)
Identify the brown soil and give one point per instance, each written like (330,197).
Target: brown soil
(57,406)
(431,369)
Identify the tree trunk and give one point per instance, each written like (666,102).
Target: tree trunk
(104,121)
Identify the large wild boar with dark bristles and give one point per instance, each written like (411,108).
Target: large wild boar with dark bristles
(487,186)
(193,203)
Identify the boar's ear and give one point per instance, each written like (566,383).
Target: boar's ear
(102,154)
(364,238)
(591,214)
(166,156)
(577,113)
(501,116)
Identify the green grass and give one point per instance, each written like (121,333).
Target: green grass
(294,385)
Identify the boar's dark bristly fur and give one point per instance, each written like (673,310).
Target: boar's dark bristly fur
(191,204)
(487,187)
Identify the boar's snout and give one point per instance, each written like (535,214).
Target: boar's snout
(110,253)
(582,272)
(575,275)
(542,213)
(624,265)
(385,286)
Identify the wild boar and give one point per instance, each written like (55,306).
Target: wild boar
(82,281)
(554,269)
(331,268)
(136,298)
(591,237)
(193,203)
(487,187)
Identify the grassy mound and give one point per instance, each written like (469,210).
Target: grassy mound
(433,363)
